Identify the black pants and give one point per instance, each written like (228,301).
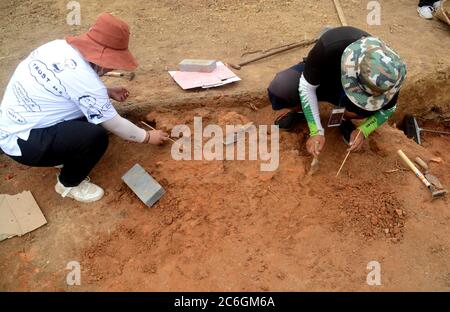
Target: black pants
(426,2)
(76,144)
(283,92)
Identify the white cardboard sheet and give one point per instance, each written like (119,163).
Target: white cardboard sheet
(222,75)
(19,214)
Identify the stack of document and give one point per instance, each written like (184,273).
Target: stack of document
(222,75)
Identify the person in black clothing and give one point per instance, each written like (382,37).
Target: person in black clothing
(355,72)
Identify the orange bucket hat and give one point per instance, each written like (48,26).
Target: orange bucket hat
(106,43)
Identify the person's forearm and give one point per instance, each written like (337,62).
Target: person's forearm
(125,129)
(310,106)
(376,120)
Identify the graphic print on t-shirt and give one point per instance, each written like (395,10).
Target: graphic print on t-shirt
(15,116)
(90,103)
(23,98)
(68,64)
(57,67)
(46,78)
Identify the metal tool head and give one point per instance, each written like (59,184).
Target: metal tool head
(411,128)
(436,193)
(434,181)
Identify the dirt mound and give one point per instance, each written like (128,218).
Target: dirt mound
(129,245)
(369,210)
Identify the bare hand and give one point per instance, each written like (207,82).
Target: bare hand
(157,137)
(356,143)
(118,93)
(315,144)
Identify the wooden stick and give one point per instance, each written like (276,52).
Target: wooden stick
(143,122)
(290,47)
(345,159)
(340,12)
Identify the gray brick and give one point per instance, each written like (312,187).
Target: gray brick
(204,66)
(143,185)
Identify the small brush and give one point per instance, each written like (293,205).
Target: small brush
(314,165)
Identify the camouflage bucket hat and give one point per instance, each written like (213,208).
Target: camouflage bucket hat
(372,73)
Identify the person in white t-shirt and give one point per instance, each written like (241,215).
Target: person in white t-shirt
(55,108)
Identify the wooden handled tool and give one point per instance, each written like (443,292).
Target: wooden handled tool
(414,169)
(431,178)
(130,76)
(421,163)
(412,129)
(435,193)
(295,45)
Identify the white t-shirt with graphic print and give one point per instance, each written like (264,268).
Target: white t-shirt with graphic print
(53,84)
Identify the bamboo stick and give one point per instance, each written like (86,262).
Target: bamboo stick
(345,159)
(143,122)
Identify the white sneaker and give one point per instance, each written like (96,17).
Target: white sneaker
(437,5)
(85,192)
(425,12)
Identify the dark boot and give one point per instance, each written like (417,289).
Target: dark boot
(289,120)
